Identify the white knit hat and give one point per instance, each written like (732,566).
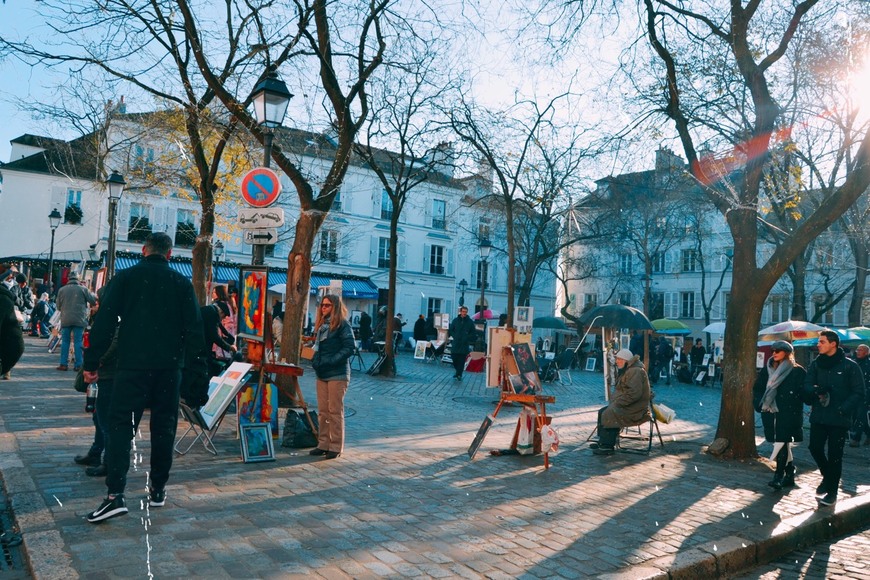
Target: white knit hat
(624,354)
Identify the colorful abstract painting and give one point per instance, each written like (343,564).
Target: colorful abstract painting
(252,303)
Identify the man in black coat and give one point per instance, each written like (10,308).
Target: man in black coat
(463,332)
(11,338)
(834,387)
(159,336)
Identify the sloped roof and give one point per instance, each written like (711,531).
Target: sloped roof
(77,158)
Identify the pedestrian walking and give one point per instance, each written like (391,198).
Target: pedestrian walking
(861,421)
(159,336)
(778,396)
(11,337)
(74,302)
(463,333)
(834,387)
(333,347)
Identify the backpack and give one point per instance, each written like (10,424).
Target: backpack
(297,431)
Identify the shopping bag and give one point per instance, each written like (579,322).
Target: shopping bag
(526,435)
(549,440)
(664,414)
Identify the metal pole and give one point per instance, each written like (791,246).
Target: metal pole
(483,268)
(110,259)
(259,250)
(51,262)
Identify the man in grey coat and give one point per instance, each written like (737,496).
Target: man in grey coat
(74,302)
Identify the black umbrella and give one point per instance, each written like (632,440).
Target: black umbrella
(616,316)
(549,322)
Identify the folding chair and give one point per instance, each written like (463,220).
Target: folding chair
(356,357)
(563,366)
(199,429)
(650,419)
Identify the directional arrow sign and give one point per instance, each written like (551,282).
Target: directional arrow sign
(264,236)
(252,219)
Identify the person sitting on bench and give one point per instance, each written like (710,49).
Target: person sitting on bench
(630,403)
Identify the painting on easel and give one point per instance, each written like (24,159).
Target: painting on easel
(526,369)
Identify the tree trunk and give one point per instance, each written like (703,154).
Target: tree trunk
(388,368)
(298,284)
(798,277)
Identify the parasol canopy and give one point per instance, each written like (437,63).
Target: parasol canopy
(670,327)
(487,314)
(715,328)
(549,322)
(279,288)
(616,316)
(790,330)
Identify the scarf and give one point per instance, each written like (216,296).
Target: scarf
(322,333)
(774,379)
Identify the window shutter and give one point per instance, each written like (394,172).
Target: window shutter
(676,262)
(448,308)
(424,305)
(766,313)
(376,203)
(341,248)
(58,199)
(699,306)
(473,281)
(491,277)
(400,262)
(123,224)
(449,259)
(345,201)
(427,220)
(373,253)
(315,251)
(427,251)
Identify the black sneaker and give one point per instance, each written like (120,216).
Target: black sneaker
(829,499)
(92,460)
(156,497)
(110,508)
(603,450)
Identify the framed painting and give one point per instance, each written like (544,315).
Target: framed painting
(100,279)
(257,443)
(253,284)
(590,364)
(527,367)
(354,318)
(420,349)
(221,391)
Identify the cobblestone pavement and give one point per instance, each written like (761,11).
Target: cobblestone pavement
(404,499)
(843,558)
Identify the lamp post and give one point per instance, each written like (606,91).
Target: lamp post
(270,98)
(484,248)
(218,256)
(116,184)
(463,286)
(53,221)
(647,284)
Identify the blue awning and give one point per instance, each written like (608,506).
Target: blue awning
(362,288)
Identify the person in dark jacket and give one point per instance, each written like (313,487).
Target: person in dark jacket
(834,387)
(420,328)
(11,337)
(160,340)
(215,335)
(778,396)
(333,347)
(463,333)
(365,330)
(861,422)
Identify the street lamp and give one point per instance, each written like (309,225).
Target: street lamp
(484,248)
(463,286)
(647,283)
(116,184)
(53,221)
(219,250)
(270,98)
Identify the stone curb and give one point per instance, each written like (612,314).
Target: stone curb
(731,555)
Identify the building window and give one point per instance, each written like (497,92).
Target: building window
(625,263)
(656,305)
(483,229)
(336,202)
(72,213)
(820,302)
(625,298)
(689,260)
(383,252)
(329,245)
(658,262)
(433,305)
(269,251)
(687,305)
(439,214)
(436,260)
(139,226)
(482,271)
(386,206)
(185,229)
(779,308)
(143,157)
(589,301)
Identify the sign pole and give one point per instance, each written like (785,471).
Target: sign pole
(258,257)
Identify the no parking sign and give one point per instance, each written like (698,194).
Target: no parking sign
(260,187)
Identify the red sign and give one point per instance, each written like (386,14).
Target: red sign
(260,187)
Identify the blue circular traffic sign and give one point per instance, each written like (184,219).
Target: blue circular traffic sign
(260,187)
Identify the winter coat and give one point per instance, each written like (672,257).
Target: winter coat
(786,425)
(463,332)
(420,329)
(331,360)
(864,365)
(630,403)
(839,378)
(73,301)
(11,338)
(160,326)
(365,326)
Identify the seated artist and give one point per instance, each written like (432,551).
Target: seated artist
(629,405)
